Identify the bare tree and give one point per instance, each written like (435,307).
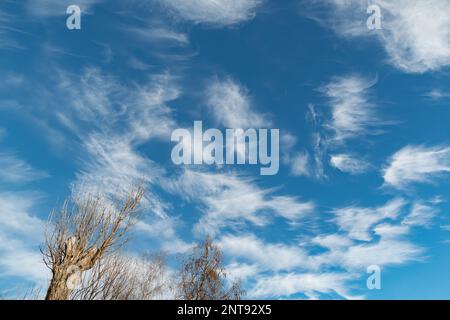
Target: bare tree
(81,233)
(118,277)
(202,276)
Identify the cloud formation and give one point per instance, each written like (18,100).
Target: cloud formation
(21,233)
(15,170)
(358,222)
(327,262)
(231,105)
(230,200)
(352,112)
(350,164)
(217,12)
(415,33)
(416,164)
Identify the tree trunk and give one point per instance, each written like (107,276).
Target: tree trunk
(58,289)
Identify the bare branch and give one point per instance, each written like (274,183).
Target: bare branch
(81,233)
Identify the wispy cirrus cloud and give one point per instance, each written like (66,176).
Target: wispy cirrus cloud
(16,217)
(311,284)
(420,215)
(349,163)
(8,29)
(300,164)
(279,270)
(438,95)
(229,200)
(305,163)
(232,105)
(112,120)
(216,13)
(21,233)
(385,252)
(415,34)
(353,115)
(358,222)
(112,167)
(416,164)
(352,112)
(367,236)
(159,34)
(21,230)
(275,257)
(15,170)
(99,103)
(108,120)
(165,42)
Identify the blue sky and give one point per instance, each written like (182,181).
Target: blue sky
(364,136)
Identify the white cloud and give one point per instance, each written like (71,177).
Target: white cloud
(420,215)
(353,116)
(160,34)
(275,257)
(109,120)
(389,231)
(231,105)
(332,241)
(372,236)
(112,119)
(358,221)
(437,94)
(90,96)
(229,200)
(353,113)
(305,163)
(15,214)
(163,231)
(415,33)
(216,12)
(241,271)
(348,163)
(21,231)
(98,102)
(7,31)
(416,164)
(15,170)
(389,249)
(22,260)
(285,285)
(418,34)
(290,208)
(20,236)
(300,165)
(383,253)
(274,268)
(112,168)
